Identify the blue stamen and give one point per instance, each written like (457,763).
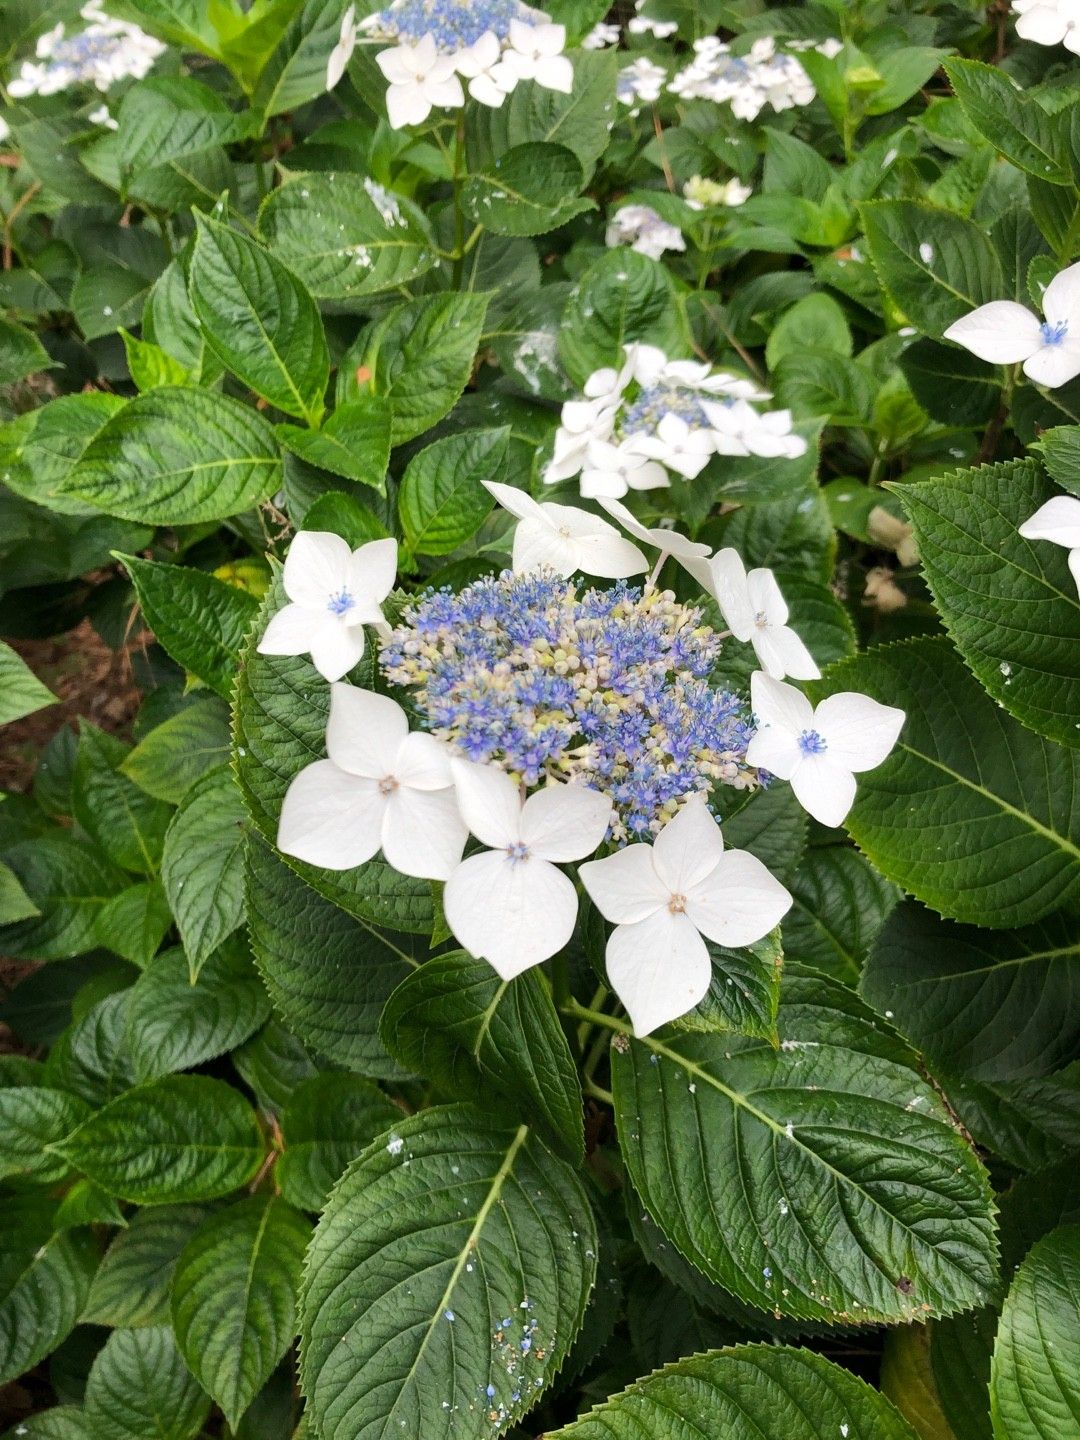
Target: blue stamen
(1053,334)
(811,743)
(340,603)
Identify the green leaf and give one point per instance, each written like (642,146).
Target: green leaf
(296,71)
(133,923)
(91,1057)
(1034,1389)
(259,320)
(61,1422)
(327,1121)
(793,534)
(176,754)
(280,720)
(175,1023)
(21,353)
(31,1117)
(624,296)
(21,692)
(84,1204)
(841,903)
(234,1297)
(178,455)
(43,1286)
(420,356)
(935,265)
(821,1180)
(907,1379)
(273,1063)
(751,1392)
(463,1191)
(1014,123)
(442,500)
(68,882)
(951,385)
(202,868)
(332,995)
(346,235)
(528,190)
(972,814)
(1060,451)
(139,1387)
(771,824)
(1010,604)
(181,1138)
(354,442)
(200,620)
(816,322)
(989,1004)
(150,365)
(15,904)
(495,1042)
(132,1283)
(128,824)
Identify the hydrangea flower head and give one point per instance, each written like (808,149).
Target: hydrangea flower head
(640,227)
(764,76)
(610,688)
(103,52)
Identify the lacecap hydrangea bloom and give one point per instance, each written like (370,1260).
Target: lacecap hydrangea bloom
(1049,22)
(491,45)
(640,227)
(610,688)
(101,53)
(656,415)
(748,83)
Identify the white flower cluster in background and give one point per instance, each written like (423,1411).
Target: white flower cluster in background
(491,45)
(645,24)
(640,227)
(748,83)
(707,194)
(101,53)
(656,415)
(601,36)
(1049,22)
(640,83)
(417,796)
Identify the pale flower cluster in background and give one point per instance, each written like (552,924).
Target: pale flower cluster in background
(640,83)
(705,194)
(640,227)
(656,415)
(101,53)
(748,83)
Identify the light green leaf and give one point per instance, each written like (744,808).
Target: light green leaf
(176,754)
(31,1117)
(935,265)
(133,923)
(497,1043)
(1014,123)
(328,1120)
(176,1023)
(68,882)
(751,1392)
(624,296)
(1060,451)
(91,1057)
(793,534)
(464,1191)
(841,903)
(128,824)
(296,71)
(347,235)
(972,814)
(150,365)
(234,1297)
(178,455)
(353,442)
(332,995)
(273,1063)
(15,904)
(139,1387)
(816,322)
(821,1180)
(61,1422)
(181,1138)
(259,319)
(989,1004)
(1010,604)
(528,190)
(44,1281)
(21,692)
(21,353)
(442,500)
(1034,1387)
(132,1283)
(200,620)
(202,867)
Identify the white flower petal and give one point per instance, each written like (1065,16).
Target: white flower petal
(517,501)
(1001,332)
(1074,566)
(423,833)
(423,763)
(858,730)
(688,848)
(565,822)
(371,573)
(335,648)
(1058,520)
(1061,298)
(780,706)
(766,597)
(514,914)
(609,557)
(781,653)
(289,631)
(625,887)
(398,64)
(659,968)
(489,802)
(1054,365)
(739,902)
(406,105)
(365,731)
(316,566)
(330,818)
(825,789)
(446,92)
(537,546)
(555,73)
(728,587)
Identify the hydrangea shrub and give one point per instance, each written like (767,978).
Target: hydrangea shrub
(579,937)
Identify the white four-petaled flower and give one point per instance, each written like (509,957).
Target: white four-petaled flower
(755,610)
(383,787)
(481,64)
(335,592)
(1049,22)
(691,554)
(420,78)
(1004,332)
(678,445)
(566,539)
(342,51)
(820,751)
(510,904)
(1059,522)
(663,898)
(535,53)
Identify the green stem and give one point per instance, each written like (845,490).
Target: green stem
(596,1017)
(599,1093)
